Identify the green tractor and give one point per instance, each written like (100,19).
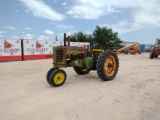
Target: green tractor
(83,61)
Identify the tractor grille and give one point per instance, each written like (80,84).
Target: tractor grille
(60,55)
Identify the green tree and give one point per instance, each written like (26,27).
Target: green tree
(104,37)
(79,37)
(82,37)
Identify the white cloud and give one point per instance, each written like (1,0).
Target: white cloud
(9,28)
(42,38)
(120,26)
(27,11)
(147,15)
(140,14)
(29,36)
(40,9)
(65,27)
(2,32)
(64,3)
(49,32)
(27,28)
(91,9)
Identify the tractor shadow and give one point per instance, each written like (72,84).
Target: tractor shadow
(90,78)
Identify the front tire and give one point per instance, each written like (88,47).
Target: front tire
(48,74)
(57,78)
(107,65)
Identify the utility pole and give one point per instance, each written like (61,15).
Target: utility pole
(56,38)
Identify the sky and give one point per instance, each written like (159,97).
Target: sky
(134,20)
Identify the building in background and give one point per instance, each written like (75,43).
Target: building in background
(146,47)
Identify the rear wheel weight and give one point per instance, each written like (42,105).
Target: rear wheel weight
(107,65)
(57,77)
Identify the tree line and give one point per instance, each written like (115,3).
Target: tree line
(102,37)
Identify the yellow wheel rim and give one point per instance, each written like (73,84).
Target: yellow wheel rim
(59,78)
(109,65)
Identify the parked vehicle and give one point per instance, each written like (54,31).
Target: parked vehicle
(156,49)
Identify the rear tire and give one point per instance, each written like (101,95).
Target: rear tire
(81,71)
(107,65)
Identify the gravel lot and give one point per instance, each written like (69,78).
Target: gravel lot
(133,95)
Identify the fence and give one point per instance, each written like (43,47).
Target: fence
(11,50)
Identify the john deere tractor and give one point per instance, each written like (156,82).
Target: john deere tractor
(83,61)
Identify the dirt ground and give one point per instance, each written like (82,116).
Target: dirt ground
(133,95)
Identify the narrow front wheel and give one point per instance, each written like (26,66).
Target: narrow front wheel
(57,77)
(48,74)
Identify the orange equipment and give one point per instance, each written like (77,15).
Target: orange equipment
(133,49)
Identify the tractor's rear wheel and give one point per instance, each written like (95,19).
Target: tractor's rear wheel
(81,71)
(107,65)
(57,77)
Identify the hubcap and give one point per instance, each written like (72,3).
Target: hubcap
(59,78)
(109,65)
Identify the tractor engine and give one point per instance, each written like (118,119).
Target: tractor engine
(67,56)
